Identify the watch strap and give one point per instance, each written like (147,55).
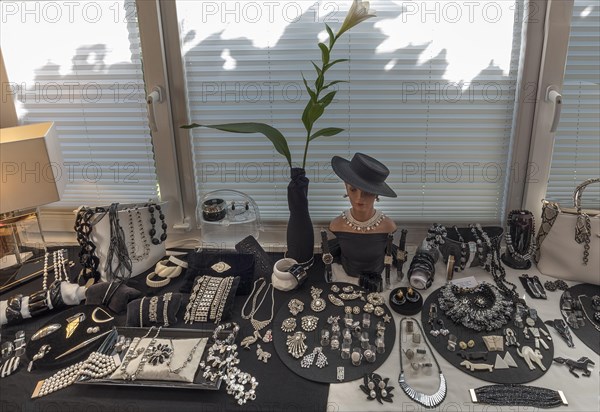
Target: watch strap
(327,257)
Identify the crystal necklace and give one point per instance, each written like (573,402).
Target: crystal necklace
(365,226)
(258,325)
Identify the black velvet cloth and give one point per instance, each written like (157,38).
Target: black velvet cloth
(200,264)
(278,389)
(362,252)
(521,374)
(173,310)
(328,374)
(122,295)
(300,235)
(59,343)
(587,333)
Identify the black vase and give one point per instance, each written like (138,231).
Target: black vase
(300,235)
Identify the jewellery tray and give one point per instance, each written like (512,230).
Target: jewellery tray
(587,333)
(329,373)
(199,381)
(520,375)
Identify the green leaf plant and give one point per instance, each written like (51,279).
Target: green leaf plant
(320,97)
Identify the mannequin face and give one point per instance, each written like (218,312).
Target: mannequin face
(362,202)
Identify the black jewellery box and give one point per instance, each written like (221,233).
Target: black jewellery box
(220,264)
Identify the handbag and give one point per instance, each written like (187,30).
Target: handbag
(568,240)
(135,222)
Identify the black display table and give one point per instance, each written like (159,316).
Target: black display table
(278,389)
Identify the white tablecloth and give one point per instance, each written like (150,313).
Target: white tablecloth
(583,394)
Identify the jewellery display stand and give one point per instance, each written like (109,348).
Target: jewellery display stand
(58,342)
(521,374)
(199,381)
(241,219)
(328,374)
(587,333)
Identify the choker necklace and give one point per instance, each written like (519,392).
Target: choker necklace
(365,226)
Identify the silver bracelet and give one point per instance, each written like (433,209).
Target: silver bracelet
(142,312)
(153,309)
(166,299)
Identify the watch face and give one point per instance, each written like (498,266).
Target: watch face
(401,255)
(327,258)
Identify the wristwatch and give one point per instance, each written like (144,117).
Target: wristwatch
(401,255)
(327,257)
(388,260)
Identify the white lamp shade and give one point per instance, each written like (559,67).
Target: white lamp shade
(32,168)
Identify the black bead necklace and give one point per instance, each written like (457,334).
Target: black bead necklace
(161,216)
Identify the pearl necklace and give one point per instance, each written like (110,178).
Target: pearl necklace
(59,265)
(365,226)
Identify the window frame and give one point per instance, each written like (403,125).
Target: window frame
(163,66)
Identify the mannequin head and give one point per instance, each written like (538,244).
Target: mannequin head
(362,202)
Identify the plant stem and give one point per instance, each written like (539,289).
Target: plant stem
(317,92)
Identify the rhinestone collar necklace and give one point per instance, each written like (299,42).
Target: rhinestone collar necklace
(365,226)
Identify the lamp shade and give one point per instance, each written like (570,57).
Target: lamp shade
(32,172)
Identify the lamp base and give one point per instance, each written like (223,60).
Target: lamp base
(9,261)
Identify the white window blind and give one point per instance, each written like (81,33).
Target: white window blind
(430,93)
(576,155)
(79,64)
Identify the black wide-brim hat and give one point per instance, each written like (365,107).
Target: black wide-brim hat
(364,173)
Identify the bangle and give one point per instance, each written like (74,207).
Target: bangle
(165,271)
(178,262)
(282,279)
(156,283)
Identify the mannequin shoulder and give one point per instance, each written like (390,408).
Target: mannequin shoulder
(338,225)
(387,225)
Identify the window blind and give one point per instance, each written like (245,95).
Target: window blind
(576,155)
(79,65)
(430,93)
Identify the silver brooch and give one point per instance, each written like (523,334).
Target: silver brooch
(220,267)
(160,355)
(318,303)
(375,299)
(296,306)
(317,353)
(262,355)
(335,288)
(378,311)
(369,308)
(309,323)
(295,344)
(335,300)
(45,331)
(288,325)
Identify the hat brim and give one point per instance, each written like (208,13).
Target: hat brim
(341,167)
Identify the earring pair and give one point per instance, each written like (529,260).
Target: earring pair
(345,195)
